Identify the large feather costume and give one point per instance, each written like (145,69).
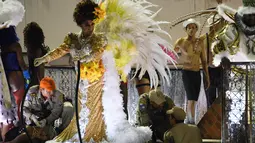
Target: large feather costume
(132,40)
(11,14)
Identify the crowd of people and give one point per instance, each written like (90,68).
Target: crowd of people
(103,57)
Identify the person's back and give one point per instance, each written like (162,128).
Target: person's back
(180,132)
(185,133)
(146,112)
(34,42)
(152,112)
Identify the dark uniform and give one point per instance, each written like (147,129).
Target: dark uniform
(147,115)
(50,109)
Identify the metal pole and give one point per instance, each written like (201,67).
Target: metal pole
(223,123)
(247,104)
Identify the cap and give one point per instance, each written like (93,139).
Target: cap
(177,112)
(157,96)
(190,21)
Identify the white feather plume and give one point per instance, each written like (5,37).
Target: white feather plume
(222,9)
(11,12)
(118,129)
(133,21)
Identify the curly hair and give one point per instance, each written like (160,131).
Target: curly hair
(33,35)
(84,11)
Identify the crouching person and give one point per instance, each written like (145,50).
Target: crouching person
(181,132)
(152,112)
(43,107)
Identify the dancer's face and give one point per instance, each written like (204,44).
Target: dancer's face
(191,29)
(87,27)
(249,19)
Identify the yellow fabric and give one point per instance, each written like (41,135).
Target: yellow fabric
(92,71)
(95,128)
(100,13)
(94,104)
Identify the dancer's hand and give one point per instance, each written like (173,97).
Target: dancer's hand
(39,61)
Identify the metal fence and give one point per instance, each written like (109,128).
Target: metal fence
(238,114)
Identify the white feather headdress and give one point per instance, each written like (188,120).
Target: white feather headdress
(11,12)
(129,26)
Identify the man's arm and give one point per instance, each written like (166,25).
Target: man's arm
(57,109)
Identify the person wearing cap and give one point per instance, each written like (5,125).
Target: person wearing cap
(180,132)
(151,111)
(44,105)
(192,51)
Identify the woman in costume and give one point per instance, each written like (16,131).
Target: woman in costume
(114,36)
(12,63)
(34,42)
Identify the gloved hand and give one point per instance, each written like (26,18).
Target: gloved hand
(42,123)
(39,61)
(27,77)
(34,118)
(58,122)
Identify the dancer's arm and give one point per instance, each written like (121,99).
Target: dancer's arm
(59,52)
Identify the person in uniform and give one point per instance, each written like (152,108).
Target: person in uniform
(45,105)
(180,132)
(151,112)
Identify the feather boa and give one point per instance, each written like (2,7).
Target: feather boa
(118,129)
(11,12)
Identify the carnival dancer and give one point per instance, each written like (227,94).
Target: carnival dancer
(12,64)
(34,43)
(114,36)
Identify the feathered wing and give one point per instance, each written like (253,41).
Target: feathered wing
(132,37)
(11,12)
(226,12)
